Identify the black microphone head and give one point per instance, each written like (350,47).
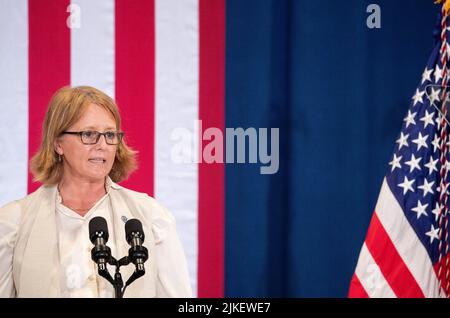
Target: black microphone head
(133,228)
(98,229)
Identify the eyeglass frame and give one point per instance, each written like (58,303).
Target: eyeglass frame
(120,135)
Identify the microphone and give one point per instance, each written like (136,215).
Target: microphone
(98,234)
(138,253)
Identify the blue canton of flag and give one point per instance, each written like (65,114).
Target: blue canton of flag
(414,173)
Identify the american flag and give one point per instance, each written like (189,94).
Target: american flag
(405,251)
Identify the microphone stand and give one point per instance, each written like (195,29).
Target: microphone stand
(101,253)
(117,281)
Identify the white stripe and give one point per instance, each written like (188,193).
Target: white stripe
(406,241)
(13,99)
(92,45)
(176,106)
(370,276)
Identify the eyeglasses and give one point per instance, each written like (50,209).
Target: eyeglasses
(90,137)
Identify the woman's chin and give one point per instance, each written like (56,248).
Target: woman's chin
(97,175)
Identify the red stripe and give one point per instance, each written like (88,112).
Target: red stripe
(442,276)
(390,262)
(49,63)
(211,176)
(135,84)
(356,289)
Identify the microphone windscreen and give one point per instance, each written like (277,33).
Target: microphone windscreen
(133,228)
(98,228)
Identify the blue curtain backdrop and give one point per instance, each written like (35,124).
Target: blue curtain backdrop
(338,91)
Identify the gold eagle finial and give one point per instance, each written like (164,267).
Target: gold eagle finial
(446,4)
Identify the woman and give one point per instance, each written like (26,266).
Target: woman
(44,237)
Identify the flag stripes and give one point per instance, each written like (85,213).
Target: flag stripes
(357,288)
(135,84)
(211,177)
(48,64)
(92,52)
(394,249)
(407,244)
(391,265)
(368,280)
(13,99)
(176,107)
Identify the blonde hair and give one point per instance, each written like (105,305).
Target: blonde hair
(65,108)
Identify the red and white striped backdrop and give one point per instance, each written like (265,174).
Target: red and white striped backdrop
(163,62)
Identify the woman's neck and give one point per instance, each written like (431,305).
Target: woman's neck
(81,195)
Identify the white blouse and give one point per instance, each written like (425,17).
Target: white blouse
(79,277)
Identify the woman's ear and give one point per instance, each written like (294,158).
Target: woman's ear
(57,147)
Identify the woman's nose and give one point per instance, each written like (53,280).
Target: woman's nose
(101,142)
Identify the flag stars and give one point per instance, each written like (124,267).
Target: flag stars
(413,163)
(438,121)
(426,76)
(427,119)
(410,119)
(407,185)
(431,165)
(436,211)
(427,187)
(395,163)
(434,96)
(435,143)
(420,209)
(438,73)
(418,97)
(433,234)
(402,141)
(421,141)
